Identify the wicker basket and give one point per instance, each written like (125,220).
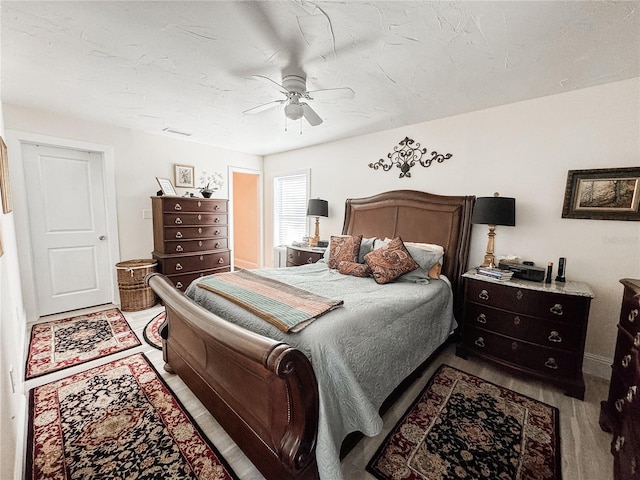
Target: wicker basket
(134,293)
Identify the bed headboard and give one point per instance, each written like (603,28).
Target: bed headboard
(417,217)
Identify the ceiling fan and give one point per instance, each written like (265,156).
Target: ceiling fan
(294,89)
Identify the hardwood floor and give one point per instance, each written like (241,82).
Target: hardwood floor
(585,448)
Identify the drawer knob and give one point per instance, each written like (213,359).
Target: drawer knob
(555,337)
(217,245)
(482,318)
(514,346)
(179,285)
(483,295)
(619,443)
(199,243)
(178,221)
(619,404)
(551,363)
(177,206)
(626,360)
(179,235)
(199,217)
(216,220)
(179,248)
(217,232)
(556,309)
(636,340)
(519,295)
(516,321)
(201,258)
(221,261)
(309,260)
(199,229)
(631,393)
(216,207)
(633,314)
(479,342)
(179,267)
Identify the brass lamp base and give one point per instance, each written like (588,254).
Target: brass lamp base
(489,258)
(313,241)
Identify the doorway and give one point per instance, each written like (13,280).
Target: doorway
(66,223)
(245,192)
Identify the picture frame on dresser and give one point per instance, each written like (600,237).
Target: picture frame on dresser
(184,176)
(603,194)
(167,187)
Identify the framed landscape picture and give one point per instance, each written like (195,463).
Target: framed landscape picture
(603,194)
(183,176)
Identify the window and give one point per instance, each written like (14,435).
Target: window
(290,194)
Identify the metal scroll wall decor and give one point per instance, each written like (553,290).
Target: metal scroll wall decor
(405,155)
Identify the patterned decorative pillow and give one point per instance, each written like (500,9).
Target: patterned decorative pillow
(390,261)
(344,248)
(354,269)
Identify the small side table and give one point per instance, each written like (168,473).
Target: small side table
(297,256)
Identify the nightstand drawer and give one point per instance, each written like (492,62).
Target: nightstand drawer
(296,257)
(531,302)
(547,360)
(558,334)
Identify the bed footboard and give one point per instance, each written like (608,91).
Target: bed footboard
(263,392)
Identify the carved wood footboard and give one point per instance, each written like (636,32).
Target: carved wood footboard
(263,392)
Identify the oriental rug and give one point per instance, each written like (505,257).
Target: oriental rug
(120,421)
(151,332)
(71,341)
(461,426)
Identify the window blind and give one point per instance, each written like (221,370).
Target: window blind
(290,194)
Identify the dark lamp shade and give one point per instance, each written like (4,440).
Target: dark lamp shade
(495,211)
(317,208)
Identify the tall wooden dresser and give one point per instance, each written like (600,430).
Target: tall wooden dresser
(620,413)
(190,237)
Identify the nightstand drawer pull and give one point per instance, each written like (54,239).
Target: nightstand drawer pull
(178,221)
(179,248)
(483,295)
(514,346)
(631,393)
(519,295)
(556,309)
(516,320)
(633,314)
(551,363)
(626,360)
(479,342)
(179,285)
(177,207)
(619,404)
(619,443)
(179,267)
(482,318)
(555,337)
(179,235)
(309,260)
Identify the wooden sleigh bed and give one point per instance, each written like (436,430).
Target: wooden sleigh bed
(264,392)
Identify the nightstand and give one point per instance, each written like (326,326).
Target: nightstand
(530,327)
(297,256)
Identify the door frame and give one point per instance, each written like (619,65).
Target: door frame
(259,173)
(15,140)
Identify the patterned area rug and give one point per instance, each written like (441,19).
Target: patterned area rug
(119,420)
(151,332)
(461,426)
(71,341)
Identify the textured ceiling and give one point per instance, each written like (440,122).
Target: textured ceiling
(187,65)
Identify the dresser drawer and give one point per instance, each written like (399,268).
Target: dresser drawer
(183,281)
(171,219)
(188,233)
(545,360)
(185,204)
(190,246)
(553,334)
(190,263)
(543,304)
(630,311)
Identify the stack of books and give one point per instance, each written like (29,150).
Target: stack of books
(496,273)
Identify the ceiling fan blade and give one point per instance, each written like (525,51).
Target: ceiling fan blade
(310,115)
(331,94)
(263,107)
(267,80)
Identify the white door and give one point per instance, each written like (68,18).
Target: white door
(67,217)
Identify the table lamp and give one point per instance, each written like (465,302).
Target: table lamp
(317,208)
(494,211)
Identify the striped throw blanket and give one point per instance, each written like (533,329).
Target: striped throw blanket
(288,308)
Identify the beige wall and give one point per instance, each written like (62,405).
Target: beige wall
(521,150)
(246,220)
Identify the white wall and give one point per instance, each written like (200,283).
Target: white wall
(522,150)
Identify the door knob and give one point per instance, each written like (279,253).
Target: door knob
(102,237)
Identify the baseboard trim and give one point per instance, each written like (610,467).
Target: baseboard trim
(597,366)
